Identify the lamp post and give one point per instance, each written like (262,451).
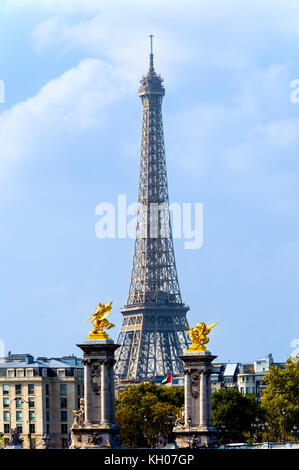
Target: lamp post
(29,434)
(256,426)
(145,434)
(223,431)
(189,420)
(294,432)
(283,412)
(267,429)
(168,423)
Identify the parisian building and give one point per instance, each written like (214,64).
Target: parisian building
(247,378)
(38,396)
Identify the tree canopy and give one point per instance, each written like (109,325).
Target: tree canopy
(233,415)
(147,411)
(280,399)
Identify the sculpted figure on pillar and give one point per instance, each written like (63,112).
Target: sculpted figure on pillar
(198,335)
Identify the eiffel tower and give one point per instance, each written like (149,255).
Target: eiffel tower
(153,331)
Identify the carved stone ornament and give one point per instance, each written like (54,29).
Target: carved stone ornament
(95,439)
(96,378)
(195,384)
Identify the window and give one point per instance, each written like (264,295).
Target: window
(29,372)
(47,402)
(47,389)
(31,415)
(5,402)
(61,373)
(5,415)
(20,428)
(64,429)
(44,373)
(18,415)
(19,402)
(10,373)
(48,428)
(63,416)
(20,373)
(47,415)
(5,389)
(18,389)
(63,389)
(6,428)
(79,390)
(30,389)
(31,402)
(63,402)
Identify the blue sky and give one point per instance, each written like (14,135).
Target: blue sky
(70,139)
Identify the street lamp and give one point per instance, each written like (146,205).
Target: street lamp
(189,421)
(223,431)
(256,426)
(294,432)
(283,411)
(145,421)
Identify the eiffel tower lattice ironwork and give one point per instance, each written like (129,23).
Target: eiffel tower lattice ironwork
(153,331)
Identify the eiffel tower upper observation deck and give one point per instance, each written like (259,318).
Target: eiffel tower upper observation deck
(153,331)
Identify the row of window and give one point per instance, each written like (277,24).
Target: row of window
(19,415)
(20,427)
(30,373)
(18,389)
(30,389)
(63,416)
(19,373)
(19,402)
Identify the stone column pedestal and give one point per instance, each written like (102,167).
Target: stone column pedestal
(94,424)
(195,427)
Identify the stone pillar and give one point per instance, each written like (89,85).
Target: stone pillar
(187,401)
(94,424)
(203,404)
(87,391)
(197,370)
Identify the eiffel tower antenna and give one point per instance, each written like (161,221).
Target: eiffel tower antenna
(153,332)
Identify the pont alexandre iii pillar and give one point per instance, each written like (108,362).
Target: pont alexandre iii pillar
(195,425)
(94,424)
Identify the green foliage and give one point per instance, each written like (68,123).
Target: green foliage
(143,411)
(282,393)
(236,412)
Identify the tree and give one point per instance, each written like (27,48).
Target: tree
(145,411)
(233,415)
(280,399)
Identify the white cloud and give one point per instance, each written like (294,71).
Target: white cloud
(75,100)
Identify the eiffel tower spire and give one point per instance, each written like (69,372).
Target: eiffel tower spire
(153,330)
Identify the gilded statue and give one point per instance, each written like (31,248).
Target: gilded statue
(99,322)
(198,335)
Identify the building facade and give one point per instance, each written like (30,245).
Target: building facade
(247,378)
(37,396)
